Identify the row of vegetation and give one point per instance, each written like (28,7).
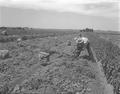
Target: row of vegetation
(109,55)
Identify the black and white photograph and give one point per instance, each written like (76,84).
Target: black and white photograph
(59,46)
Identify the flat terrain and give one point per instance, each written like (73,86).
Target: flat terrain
(24,73)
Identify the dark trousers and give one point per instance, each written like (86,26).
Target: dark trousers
(83,46)
(79,49)
(89,49)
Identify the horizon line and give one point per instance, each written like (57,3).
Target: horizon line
(55,28)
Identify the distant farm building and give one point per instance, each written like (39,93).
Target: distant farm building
(86,30)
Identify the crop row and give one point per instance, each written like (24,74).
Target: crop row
(109,55)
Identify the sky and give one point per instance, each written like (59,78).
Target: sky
(61,14)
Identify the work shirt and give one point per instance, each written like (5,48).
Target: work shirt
(81,40)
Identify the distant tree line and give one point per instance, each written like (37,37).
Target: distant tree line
(86,30)
(3,27)
(23,28)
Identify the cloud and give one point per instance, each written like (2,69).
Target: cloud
(107,8)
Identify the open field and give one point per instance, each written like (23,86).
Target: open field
(26,33)
(114,37)
(24,73)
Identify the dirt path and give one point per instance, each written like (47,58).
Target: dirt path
(108,89)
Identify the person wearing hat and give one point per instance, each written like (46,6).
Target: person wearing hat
(82,43)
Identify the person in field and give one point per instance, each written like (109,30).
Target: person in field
(82,43)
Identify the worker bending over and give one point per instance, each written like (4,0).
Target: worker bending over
(82,43)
